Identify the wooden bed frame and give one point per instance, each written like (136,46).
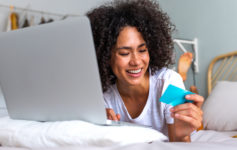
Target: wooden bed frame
(223,67)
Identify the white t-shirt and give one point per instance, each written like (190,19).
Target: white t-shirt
(155,114)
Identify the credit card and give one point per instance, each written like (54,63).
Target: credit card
(174,95)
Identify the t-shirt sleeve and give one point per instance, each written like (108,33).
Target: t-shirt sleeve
(175,79)
(108,98)
(106,101)
(168,118)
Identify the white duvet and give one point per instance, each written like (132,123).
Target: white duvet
(32,134)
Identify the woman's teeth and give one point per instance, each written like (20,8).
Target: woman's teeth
(134,71)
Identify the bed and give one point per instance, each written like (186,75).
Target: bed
(222,93)
(220,124)
(223,67)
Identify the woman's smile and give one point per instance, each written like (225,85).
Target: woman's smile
(135,72)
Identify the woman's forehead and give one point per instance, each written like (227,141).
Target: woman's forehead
(129,35)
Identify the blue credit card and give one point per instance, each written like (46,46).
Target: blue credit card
(174,95)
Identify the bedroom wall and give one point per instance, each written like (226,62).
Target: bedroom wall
(213,22)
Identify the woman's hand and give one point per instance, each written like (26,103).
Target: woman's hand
(187,117)
(111,115)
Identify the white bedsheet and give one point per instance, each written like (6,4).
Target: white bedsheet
(146,146)
(214,136)
(221,142)
(174,146)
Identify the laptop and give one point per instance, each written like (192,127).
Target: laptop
(50,73)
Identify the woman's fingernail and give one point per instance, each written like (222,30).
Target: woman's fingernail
(187,96)
(176,115)
(171,109)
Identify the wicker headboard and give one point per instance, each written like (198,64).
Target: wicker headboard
(223,67)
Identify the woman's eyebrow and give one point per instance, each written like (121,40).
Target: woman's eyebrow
(124,47)
(141,45)
(130,48)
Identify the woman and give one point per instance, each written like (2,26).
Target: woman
(134,49)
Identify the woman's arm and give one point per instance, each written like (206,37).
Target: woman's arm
(187,118)
(173,138)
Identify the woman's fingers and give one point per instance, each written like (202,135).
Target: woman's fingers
(111,114)
(197,99)
(188,107)
(190,120)
(118,116)
(188,113)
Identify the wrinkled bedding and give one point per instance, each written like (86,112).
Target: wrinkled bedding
(32,134)
(78,135)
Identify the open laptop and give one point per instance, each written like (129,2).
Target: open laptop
(50,73)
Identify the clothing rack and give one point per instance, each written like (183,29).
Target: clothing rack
(37,11)
(194,44)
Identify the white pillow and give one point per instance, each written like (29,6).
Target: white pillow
(32,134)
(220,108)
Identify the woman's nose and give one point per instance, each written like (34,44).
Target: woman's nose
(134,60)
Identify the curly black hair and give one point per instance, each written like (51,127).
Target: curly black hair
(109,19)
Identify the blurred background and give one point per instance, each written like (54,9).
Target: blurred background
(211,22)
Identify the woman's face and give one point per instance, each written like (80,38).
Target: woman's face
(130,57)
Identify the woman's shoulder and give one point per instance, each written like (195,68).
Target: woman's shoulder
(166,74)
(110,92)
(111,96)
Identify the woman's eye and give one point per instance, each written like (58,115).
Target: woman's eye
(123,54)
(142,51)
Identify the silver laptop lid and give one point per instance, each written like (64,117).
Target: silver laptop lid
(49,72)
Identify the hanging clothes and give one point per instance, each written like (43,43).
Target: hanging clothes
(8,27)
(50,20)
(32,21)
(26,23)
(42,20)
(14,21)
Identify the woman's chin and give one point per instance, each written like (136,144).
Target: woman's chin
(134,82)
